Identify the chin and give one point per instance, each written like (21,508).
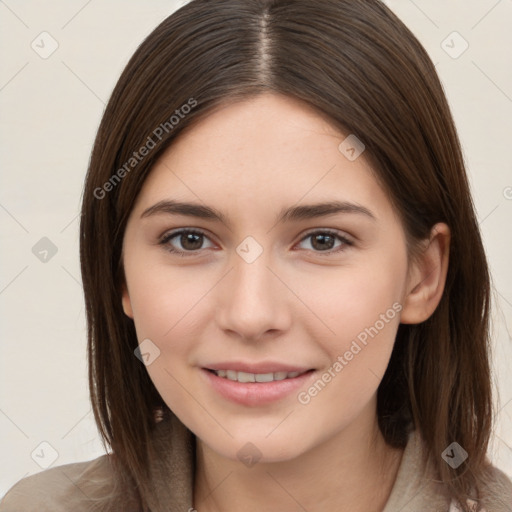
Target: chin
(253,447)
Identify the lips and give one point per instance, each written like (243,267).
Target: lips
(256,384)
(240,376)
(261,367)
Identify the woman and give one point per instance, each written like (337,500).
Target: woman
(286,289)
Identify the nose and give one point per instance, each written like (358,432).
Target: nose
(253,301)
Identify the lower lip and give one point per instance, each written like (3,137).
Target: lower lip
(255,393)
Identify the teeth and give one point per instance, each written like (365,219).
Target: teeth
(264,377)
(255,377)
(246,377)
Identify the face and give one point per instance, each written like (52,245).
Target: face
(266,319)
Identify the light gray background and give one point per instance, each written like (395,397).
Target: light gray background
(50,110)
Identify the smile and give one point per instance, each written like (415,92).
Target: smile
(259,387)
(239,376)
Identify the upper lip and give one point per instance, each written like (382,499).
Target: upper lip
(262,367)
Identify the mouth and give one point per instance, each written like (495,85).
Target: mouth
(244,377)
(258,387)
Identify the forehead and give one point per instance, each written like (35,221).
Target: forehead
(259,155)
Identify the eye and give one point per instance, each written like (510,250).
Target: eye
(324,240)
(190,240)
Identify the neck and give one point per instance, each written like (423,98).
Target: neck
(353,471)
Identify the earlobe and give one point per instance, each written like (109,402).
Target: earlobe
(427,277)
(127,304)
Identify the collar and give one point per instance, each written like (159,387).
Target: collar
(172,473)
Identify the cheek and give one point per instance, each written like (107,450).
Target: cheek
(358,298)
(166,306)
(361,306)
(357,357)
(164,300)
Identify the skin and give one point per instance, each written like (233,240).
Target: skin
(295,303)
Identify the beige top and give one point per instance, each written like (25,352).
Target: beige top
(87,486)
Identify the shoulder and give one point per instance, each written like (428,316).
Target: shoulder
(496,490)
(98,486)
(418,486)
(77,487)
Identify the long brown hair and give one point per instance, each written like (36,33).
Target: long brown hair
(356,62)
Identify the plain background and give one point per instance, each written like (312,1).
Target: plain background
(50,110)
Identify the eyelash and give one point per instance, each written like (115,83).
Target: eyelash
(164,241)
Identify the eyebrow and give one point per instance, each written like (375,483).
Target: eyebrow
(294,213)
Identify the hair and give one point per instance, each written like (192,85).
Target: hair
(357,63)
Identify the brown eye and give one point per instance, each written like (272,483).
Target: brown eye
(324,241)
(191,241)
(188,241)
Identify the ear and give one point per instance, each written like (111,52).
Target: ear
(127,304)
(427,277)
